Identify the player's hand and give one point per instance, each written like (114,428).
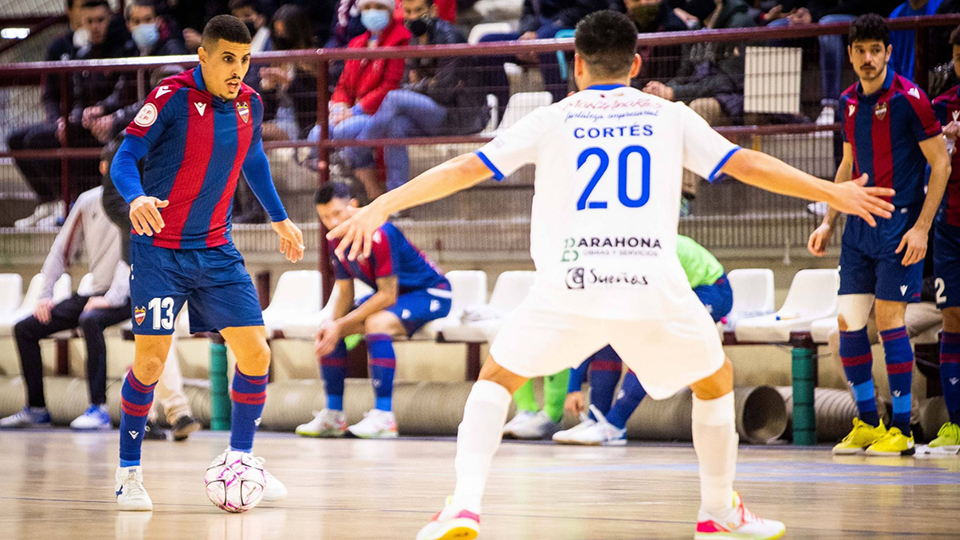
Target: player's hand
(96,302)
(817,245)
(42,311)
(326,338)
(90,114)
(101,128)
(952,130)
(801,16)
(356,233)
(574,403)
(915,244)
(291,239)
(864,202)
(192,39)
(145,215)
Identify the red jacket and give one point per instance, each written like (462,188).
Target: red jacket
(367,81)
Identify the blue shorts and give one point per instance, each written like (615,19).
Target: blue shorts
(717,298)
(213,280)
(869,263)
(417,308)
(946,264)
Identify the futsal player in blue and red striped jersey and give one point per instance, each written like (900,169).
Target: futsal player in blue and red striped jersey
(946,265)
(890,134)
(196,132)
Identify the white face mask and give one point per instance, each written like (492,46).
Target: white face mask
(81,38)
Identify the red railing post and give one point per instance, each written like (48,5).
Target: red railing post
(323,166)
(66,81)
(920,60)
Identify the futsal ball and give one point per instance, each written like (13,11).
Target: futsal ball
(235,481)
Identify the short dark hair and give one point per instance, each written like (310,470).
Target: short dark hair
(227,28)
(138,3)
(869,27)
(955,36)
(330,191)
(607,42)
(296,26)
(240,4)
(91,4)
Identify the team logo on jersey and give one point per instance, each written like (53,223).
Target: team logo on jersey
(914,92)
(147,115)
(581,278)
(956,116)
(243,109)
(201,107)
(880,111)
(852,109)
(623,246)
(139,314)
(162,90)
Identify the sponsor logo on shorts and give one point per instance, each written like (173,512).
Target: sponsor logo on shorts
(621,246)
(581,278)
(139,314)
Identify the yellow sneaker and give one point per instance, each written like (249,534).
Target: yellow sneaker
(860,437)
(948,437)
(894,443)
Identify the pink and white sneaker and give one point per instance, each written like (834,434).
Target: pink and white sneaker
(738,524)
(462,525)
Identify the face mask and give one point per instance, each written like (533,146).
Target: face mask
(81,38)
(281,43)
(145,35)
(419,27)
(251,27)
(375,20)
(645,16)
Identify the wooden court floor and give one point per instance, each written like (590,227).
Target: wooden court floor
(59,485)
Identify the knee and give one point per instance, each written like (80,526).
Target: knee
(90,322)
(255,360)
(381,322)
(951,320)
(148,367)
(717,385)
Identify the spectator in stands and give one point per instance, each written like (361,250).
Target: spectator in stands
(693,13)
(151,35)
(169,391)
(441,96)
(904,41)
(654,16)
(364,83)
(252,14)
(346,21)
(95,39)
(191,16)
(541,19)
(106,304)
(289,91)
(710,78)
(833,54)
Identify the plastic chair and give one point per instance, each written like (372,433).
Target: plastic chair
(85,288)
(752,292)
(296,296)
(812,296)
(561,55)
(485,29)
(522,104)
(11,292)
(305,327)
(510,290)
(469,287)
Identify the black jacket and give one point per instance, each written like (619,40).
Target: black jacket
(565,13)
(61,49)
(451,82)
(658,62)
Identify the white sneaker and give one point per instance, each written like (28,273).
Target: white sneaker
(564,437)
(521,418)
(326,423)
(96,417)
(538,427)
(602,433)
(376,424)
(738,523)
(274,490)
(131,494)
(828,117)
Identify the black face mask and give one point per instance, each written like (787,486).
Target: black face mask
(645,16)
(251,27)
(419,27)
(281,43)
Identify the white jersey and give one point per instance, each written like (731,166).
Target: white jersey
(609,164)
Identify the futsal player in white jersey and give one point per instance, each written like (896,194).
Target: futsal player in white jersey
(603,237)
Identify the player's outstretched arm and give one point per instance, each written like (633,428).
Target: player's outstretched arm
(820,237)
(441,181)
(771,174)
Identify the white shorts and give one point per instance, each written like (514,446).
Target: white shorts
(667,355)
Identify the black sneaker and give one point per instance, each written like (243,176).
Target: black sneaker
(184,426)
(153,432)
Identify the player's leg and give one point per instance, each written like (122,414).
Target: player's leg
(527,410)
(949,435)
(93,323)
(605,370)
(170,395)
(379,330)
(533,424)
(331,421)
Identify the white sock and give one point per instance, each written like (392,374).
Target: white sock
(478,438)
(715,440)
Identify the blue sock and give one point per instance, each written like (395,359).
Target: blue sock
(605,370)
(249,393)
(857,362)
(631,394)
(333,370)
(950,374)
(383,364)
(136,399)
(899,354)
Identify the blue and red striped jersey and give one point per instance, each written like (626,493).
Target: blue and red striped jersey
(947,109)
(885,130)
(196,145)
(391,255)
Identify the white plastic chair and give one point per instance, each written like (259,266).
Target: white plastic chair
(11,292)
(511,288)
(28,303)
(296,296)
(468,287)
(85,288)
(812,296)
(522,104)
(752,291)
(62,289)
(821,329)
(485,29)
(306,326)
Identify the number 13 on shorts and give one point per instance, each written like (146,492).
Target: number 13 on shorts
(161,313)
